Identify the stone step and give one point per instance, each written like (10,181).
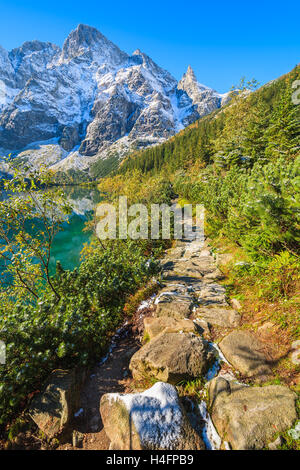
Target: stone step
(247,354)
(154,326)
(219,316)
(179,309)
(209,294)
(172,357)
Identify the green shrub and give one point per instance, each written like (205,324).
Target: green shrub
(72,331)
(256,208)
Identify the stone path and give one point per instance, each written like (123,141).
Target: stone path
(178,349)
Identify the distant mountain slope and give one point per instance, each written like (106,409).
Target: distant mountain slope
(255,126)
(90,100)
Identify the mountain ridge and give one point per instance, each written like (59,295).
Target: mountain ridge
(91,100)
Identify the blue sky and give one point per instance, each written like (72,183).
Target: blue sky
(222,41)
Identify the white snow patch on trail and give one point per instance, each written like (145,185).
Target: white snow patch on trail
(220,354)
(146,303)
(210,436)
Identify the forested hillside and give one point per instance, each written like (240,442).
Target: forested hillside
(259,126)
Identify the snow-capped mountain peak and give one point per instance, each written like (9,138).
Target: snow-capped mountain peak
(206,99)
(91,99)
(87,42)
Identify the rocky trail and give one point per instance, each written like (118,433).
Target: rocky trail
(110,376)
(142,394)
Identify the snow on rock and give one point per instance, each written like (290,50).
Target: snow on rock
(44,153)
(153,419)
(295,432)
(156,414)
(219,353)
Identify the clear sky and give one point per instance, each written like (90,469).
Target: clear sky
(222,41)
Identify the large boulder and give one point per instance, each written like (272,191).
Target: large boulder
(247,354)
(153,420)
(250,417)
(172,357)
(220,316)
(53,409)
(154,326)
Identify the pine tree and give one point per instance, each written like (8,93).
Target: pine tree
(254,139)
(283,134)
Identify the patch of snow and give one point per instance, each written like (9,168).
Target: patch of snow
(219,352)
(167,294)
(146,303)
(156,414)
(113,343)
(295,432)
(210,436)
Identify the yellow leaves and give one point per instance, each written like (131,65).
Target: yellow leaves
(136,186)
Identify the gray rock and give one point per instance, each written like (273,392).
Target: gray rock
(220,316)
(211,294)
(173,292)
(155,326)
(175,253)
(200,267)
(206,99)
(249,417)
(175,309)
(70,137)
(247,354)
(216,274)
(172,357)
(187,267)
(53,409)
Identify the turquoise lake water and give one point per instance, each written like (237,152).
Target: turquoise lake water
(69,242)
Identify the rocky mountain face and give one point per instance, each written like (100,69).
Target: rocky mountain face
(69,107)
(205,99)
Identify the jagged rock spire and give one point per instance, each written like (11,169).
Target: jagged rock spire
(190,73)
(206,99)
